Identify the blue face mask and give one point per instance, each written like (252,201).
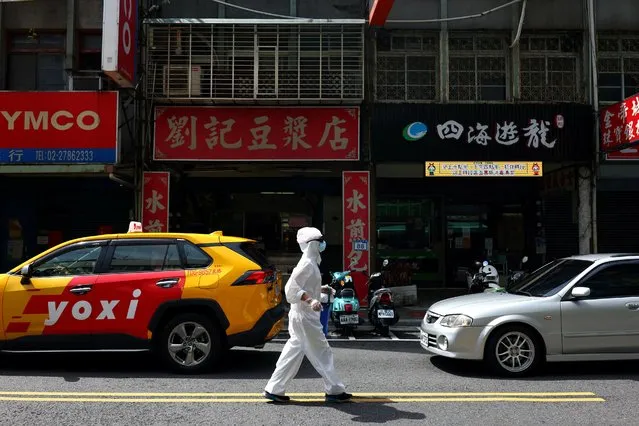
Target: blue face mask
(322,246)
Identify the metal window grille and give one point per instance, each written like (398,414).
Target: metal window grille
(477,68)
(549,70)
(618,67)
(407,66)
(256,61)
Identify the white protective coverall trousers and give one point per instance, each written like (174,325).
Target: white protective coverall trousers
(304,326)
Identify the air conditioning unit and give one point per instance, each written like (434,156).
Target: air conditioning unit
(181,80)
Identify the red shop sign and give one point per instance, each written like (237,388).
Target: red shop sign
(619,124)
(256,134)
(155,201)
(356,214)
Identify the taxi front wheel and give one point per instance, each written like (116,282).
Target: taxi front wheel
(190,343)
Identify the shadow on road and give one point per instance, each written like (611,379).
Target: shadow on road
(587,370)
(377,412)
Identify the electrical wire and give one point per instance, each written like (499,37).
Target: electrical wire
(408,21)
(456,18)
(259,12)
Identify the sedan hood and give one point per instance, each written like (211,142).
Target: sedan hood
(474,304)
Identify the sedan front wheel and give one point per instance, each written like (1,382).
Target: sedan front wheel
(513,351)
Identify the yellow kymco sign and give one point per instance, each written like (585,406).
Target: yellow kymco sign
(484,169)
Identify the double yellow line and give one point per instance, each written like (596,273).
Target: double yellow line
(230,397)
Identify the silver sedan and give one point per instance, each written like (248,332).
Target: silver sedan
(579,308)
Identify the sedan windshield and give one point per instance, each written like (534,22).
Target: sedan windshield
(550,278)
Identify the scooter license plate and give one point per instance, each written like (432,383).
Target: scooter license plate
(385,313)
(349,319)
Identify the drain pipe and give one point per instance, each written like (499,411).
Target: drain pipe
(592,31)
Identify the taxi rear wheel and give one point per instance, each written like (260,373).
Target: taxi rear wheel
(190,344)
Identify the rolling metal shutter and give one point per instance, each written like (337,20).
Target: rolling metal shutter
(618,221)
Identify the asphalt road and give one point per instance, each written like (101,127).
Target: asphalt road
(394,381)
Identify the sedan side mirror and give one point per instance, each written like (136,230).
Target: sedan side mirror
(580,292)
(26,273)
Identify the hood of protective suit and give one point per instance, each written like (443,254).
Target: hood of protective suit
(310,248)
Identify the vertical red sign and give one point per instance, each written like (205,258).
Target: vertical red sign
(356,233)
(155,201)
(620,126)
(127,38)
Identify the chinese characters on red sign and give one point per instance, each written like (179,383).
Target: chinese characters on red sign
(619,125)
(356,214)
(155,201)
(256,134)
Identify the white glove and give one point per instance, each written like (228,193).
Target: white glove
(316,305)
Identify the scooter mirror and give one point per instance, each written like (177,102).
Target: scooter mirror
(477,264)
(385,262)
(485,263)
(524,259)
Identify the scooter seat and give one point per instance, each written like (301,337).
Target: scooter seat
(347,293)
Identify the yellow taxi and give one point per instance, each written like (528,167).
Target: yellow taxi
(187,297)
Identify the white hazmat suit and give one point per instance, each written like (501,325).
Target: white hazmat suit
(307,337)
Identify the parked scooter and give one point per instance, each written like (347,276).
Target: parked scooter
(486,278)
(381,309)
(345,310)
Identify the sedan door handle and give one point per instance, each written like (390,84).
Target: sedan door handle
(168,283)
(632,306)
(81,289)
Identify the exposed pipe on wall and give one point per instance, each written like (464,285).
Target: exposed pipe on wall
(521,24)
(70,48)
(592,31)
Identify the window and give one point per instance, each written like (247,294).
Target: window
(90,52)
(195,257)
(76,261)
(36,62)
(550,68)
(477,68)
(407,67)
(620,280)
(145,258)
(87,75)
(550,278)
(255,254)
(618,67)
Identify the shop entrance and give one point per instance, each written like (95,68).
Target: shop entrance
(435,231)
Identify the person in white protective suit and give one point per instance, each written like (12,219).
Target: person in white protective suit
(307,337)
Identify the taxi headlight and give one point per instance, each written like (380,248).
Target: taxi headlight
(456,320)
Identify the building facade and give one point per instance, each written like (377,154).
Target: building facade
(257,116)
(515,84)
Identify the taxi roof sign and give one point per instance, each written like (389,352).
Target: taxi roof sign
(135,227)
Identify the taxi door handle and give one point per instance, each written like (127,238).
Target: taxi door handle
(167,283)
(632,306)
(81,289)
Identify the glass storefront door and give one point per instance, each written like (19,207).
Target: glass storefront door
(408,234)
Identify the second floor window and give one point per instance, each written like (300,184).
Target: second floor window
(36,62)
(618,67)
(478,68)
(407,65)
(550,68)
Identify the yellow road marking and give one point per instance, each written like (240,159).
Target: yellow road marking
(294,395)
(244,397)
(306,400)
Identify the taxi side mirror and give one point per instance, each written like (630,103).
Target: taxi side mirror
(26,273)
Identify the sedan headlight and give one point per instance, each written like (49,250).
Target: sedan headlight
(456,320)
